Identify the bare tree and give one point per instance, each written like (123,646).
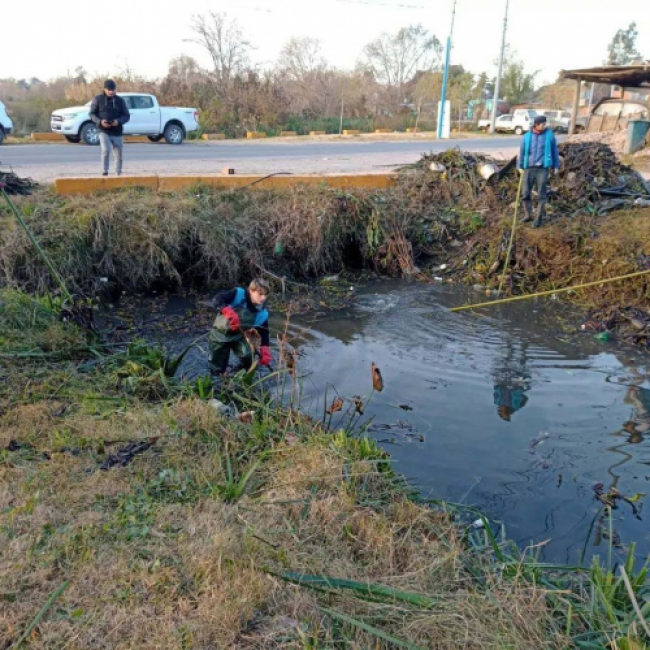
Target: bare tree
(301,57)
(224,41)
(395,58)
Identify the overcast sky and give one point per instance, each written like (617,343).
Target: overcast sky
(46,39)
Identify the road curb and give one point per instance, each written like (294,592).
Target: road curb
(68,186)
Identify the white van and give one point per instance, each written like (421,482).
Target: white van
(522,120)
(6,125)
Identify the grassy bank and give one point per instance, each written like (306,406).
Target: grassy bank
(135,514)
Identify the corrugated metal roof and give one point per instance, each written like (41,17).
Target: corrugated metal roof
(630,76)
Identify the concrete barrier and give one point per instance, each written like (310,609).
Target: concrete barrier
(383,130)
(89,185)
(213,136)
(287,134)
(317,133)
(255,135)
(48,137)
(65,186)
(351,132)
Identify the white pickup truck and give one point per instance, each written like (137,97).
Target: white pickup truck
(6,125)
(148,118)
(503,124)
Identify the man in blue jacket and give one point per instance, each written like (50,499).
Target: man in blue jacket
(538,155)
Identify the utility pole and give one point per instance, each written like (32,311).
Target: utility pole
(445,75)
(497,87)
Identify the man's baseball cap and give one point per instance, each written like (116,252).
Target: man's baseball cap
(109,84)
(539,119)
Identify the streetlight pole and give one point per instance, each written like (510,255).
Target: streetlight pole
(445,75)
(497,87)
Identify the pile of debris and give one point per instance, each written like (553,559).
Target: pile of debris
(615,140)
(14,184)
(591,180)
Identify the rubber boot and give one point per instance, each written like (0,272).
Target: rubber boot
(528,211)
(541,213)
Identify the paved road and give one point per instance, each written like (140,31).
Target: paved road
(48,161)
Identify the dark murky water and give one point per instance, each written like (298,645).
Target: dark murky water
(502,410)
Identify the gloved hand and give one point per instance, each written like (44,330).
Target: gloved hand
(265,356)
(231,315)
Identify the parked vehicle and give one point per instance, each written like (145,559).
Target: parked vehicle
(147,118)
(558,120)
(502,124)
(522,120)
(6,125)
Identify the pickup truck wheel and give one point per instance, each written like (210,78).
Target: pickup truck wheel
(90,134)
(174,134)
(519,130)
(155,138)
(72,138)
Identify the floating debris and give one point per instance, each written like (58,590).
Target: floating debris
(335,406)
(377,379)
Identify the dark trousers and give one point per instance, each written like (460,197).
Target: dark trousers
(220,355)
(535,177)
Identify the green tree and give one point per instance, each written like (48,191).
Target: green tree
(622,50)
(517,85)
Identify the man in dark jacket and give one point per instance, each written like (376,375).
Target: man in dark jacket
(538,154)
(110,113)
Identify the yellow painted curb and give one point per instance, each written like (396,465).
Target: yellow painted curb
(317,133)
(64,186)
(255,135)
(89,185)
(48,137)
(383,131)
(411,130)
(351,132)
(213,136)
(285,134)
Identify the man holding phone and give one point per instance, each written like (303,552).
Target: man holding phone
(110,113)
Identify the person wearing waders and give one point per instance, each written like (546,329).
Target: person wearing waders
(240,310)
(538,156)
(110,113)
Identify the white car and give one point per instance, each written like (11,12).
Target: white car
(6,125)
(503,124)
(147,118)
(522,120)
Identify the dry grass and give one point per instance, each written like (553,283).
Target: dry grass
(136,238)
(156,559)
(567,253)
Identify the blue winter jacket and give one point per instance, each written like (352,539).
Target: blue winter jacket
(538,150)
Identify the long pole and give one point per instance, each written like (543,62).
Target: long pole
(445,75)
(550,292)
(497,86)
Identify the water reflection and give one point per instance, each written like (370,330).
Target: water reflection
(535,464)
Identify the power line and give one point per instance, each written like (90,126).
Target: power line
(381,4)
